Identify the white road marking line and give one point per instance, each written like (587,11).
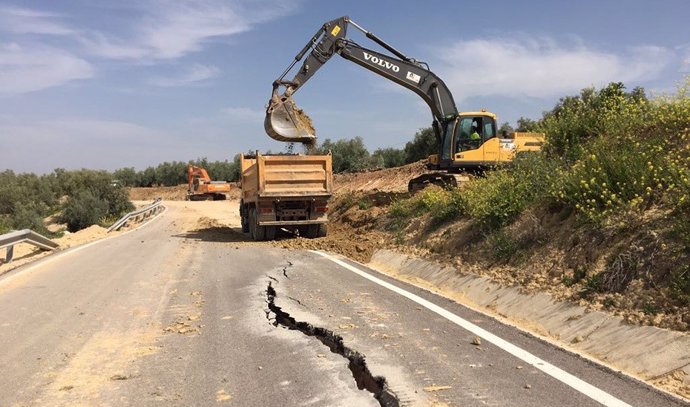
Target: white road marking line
(561,375)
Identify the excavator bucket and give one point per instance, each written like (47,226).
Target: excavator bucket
(286,122)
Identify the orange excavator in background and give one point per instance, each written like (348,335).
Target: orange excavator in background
(202,188)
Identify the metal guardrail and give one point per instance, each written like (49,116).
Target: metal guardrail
(138,214)
(8,240)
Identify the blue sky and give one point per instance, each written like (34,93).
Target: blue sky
(111,84)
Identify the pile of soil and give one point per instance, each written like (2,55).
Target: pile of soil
(176,193)
(342,239)
(385,180)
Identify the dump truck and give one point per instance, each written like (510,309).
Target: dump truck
(285,192)
(200,187)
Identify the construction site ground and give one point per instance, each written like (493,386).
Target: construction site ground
(359,228)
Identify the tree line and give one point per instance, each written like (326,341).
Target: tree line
(349,155)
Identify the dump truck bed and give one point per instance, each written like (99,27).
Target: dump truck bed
(276,176)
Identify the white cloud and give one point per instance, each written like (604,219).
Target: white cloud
(197,74)
(31,68)
(25,21)
(685,63)
(541,67)
(172,29)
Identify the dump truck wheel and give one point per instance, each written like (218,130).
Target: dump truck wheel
(245,222)
(323,230)
(257,232)
(271,232)
(312,231)
(252,224)
(260,233)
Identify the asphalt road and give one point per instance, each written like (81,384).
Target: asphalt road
(172,317)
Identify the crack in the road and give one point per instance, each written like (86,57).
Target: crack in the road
(295,300)
(365,380)
(285,269)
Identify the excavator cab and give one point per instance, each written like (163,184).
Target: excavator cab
(464,139)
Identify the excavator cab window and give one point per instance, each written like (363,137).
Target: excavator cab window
(447,142)
(464,130)
(489,130)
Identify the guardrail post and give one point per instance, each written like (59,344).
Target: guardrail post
(10,254)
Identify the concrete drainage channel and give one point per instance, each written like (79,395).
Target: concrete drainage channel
(376,385)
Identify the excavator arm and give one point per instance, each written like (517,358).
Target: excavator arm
(285,122)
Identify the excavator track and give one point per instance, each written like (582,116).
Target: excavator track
(442,179)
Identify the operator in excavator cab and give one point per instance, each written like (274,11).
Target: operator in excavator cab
(474,136)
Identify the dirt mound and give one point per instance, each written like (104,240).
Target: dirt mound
(93,232)
(387,179)
(176,193)
(341,239)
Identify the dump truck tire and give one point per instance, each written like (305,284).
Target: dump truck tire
(312,231)
(271,232)
(244,222)
(257,232)
(323,230)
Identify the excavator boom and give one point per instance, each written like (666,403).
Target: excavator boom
(286,122)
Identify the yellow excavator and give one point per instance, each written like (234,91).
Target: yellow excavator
(468,141)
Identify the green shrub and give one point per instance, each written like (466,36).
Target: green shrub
(503,247)
(83,210)
(452,207)
(575,120)
(4,224)
(348,155)
(496,199)
(388,157)
(443,204)
(364,203)
(680,285)
(641,160)
(422,146)
(613,176)
(28,217)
